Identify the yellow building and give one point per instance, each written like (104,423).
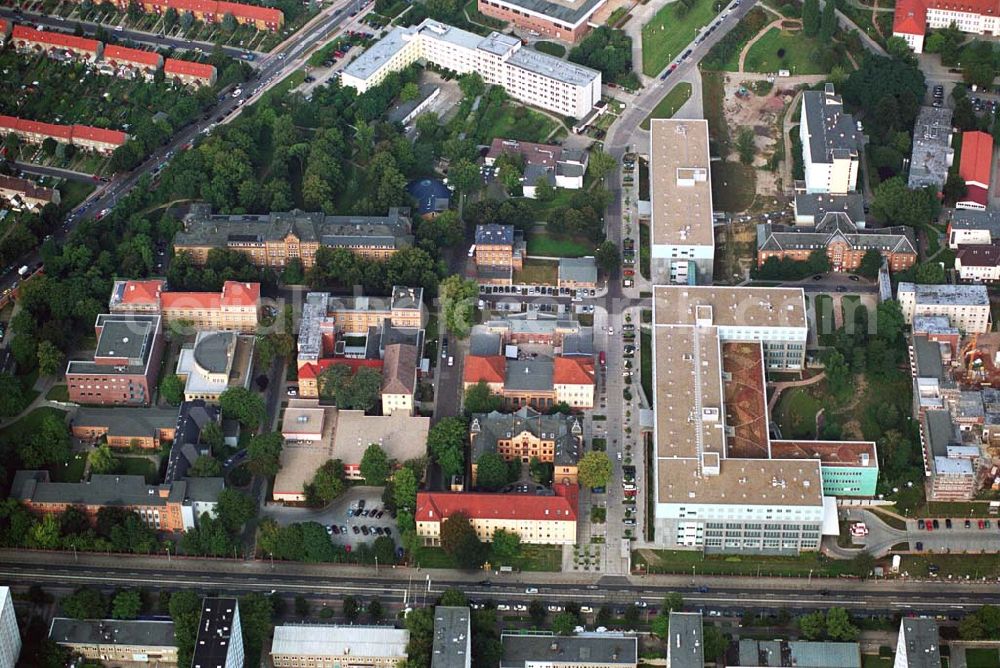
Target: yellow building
(115,641)
(552,439)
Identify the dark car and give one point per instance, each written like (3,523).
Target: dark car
(968,524)
(361,503)
(364,530)
(920,524)
(356,530)
(920,546)
(388,531)
(947,524)
(937,525)
(334,528)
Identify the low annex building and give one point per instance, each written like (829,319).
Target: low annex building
(932,152)
(217,361)
(978,264)
(117,640)
(237,307)
(527,434)
(977,228)
(272,240)
(307,645)
(576,273)
(543,519)
(568,21)
(146,428)
(174,507)
(125,365)
(26,194)
(559,167)
(83,136)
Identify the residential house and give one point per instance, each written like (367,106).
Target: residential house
(26,194)
(55,45)
(559,167)
(188,73)
(83,136)
(130,63)
(399,378)
(967,306)
(539,382)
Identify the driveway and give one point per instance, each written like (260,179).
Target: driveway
(957,540)
(337,514)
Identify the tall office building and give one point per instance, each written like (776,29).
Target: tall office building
(10,636)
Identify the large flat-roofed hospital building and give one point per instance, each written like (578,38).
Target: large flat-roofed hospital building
(721,483)
(683,239)
(527,75)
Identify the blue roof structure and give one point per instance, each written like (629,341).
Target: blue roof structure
(432,195)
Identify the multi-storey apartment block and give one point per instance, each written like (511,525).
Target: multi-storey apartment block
(682,233)
(831,143)
(130,63)
(527,434)
(124,367)
(174,507)
(117,640)
(10,637)
(527,75)
(274,239)
(309,646)
(237,307)
(83,136)
(914,17)
(146,428)
(56,45)
(188,73)
(966,306)
(547,519)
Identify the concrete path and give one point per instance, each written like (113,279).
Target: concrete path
(641,15)
(694,108)
(42,386)
(782,386)
(763,31)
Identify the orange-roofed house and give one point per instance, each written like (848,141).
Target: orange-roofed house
(489,369)
(537,519)
(98,139)
(190,74)
(262,18)
(573,381)
(539,382)
(83,136)
(914,17)
(129,63)
(910,23)
(236,308)
(309,373)
(4,32)
(57,45)
(975,168)
(212,11)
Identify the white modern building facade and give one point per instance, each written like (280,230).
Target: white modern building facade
(10,636)
(830,143)
(966,306)
(528,76)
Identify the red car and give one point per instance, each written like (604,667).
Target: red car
(629,272)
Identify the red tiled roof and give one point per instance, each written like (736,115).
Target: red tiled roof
(976,195)
(122,53)
(491,369)
(208,301)
(572,371)
(142,292)
(977,158)
(3,28)
(90,133)
(312,370)
(979,255)
(437,506)
(194,6)
(55,39)
(12,123)
(187,68)
(985,7)
(266,14)
(910,18)
(235,293)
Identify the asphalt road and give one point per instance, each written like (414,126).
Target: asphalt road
(272,69)
(707,593)
(54,172)
(157,40)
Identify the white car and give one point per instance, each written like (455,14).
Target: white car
(237,92)
(520,607)
(586,609)
(503,608)
(555,608)
(531,590)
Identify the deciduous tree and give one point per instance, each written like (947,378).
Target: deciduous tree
(375,466)
(594,469)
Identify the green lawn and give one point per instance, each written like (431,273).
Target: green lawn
(551,48)
(783,50)
(533,558)
(669,105)
(875,661)
(957,565)
(644,250)
(796,413)
(685,562)
(72,471)
(541,243)
(982,657)
(30,423)
(666,35)
(646,363)
(73,192)
(138,466)
(823,308)
(734,186)
(57,393)
(512,121)
(537,272)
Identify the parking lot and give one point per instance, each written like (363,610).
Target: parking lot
(954,535)
(345,516)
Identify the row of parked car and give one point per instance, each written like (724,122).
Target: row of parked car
(931,525)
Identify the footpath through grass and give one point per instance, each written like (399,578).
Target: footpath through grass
(669,105)
(672,29)
(784,50)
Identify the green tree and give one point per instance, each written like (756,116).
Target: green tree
(715,642)
(458,304)
(212,436)
(352,609)
(544,191)
(471,85)
(828,22)
(375,466)
(264,453)
(404,488)
(327,483)
(813,625)
(594,469)
(871,262)
(185,611)
(600,163)
(127,604)
(673,602)
(234,509)
(453,597)
(537,612)
(810,17)
(244,405)
(465,177)
(839,626)
(745,145)
(169,19)
(894,203)
(930,273)
(491,471)
(172,389)
(410,92)
(302,607)
(564,623)
(85,603)
(955,188)
(101,459)
(206,466)
(631,616)
(608,257)
(446,443)
(11,395)
(375,610)
(506,546)
(460,542)
(51,360)
(479,399)
(838,372)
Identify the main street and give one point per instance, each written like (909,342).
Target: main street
(710,593)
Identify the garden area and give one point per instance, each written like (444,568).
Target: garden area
(546,558)
(673,28)
(982,657)
(510,120)
(669,105)
(782,49)
(537,272)
(550,245)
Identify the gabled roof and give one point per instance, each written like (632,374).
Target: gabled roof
(12,123)
(187,68)
(573,371)
(437,506)
(565,431)
(977,157)
(254,12)
(778,238)
(125,54)
(55,39)
(910,18)
(978,255)
(235,293)
(90,133)
(490,369)
(142,292)
(400,369)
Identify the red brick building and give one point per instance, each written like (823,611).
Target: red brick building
(565,21)
(125,364)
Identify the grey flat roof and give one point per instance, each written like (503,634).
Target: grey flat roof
(685,648)
(580,269)
(817,204)
(927,355)
(825,654)
(483,343)
(931,147)
(212,351)
(529,375)
(941,432)
(127,421)
(451,637)
(123,335)
(561,10)
(138,633)
(831,131)
(969,295)
(600,648)
(495,234)
(923,647)
(968,219)
(552,67)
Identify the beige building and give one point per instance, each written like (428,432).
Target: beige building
(237,307)
(527,434)
(26,194)
(115,641)
(537,519)
(399,378)
(315,646)
(217,361)
(966,306)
